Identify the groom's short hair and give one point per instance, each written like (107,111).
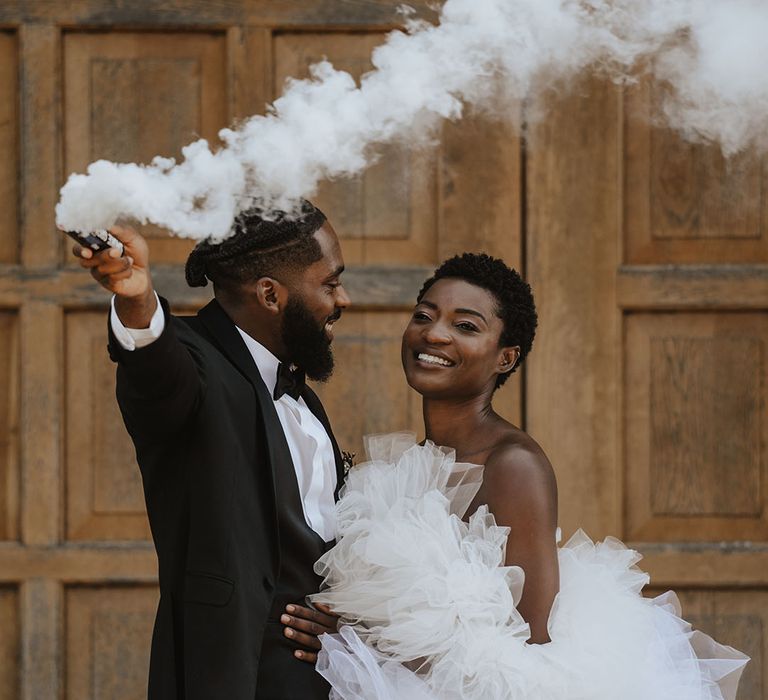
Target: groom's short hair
(275,246)
(514,298)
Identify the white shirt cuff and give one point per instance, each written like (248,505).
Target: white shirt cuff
(132,338)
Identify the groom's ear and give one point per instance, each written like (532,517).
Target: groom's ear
(270,294)
(508,358)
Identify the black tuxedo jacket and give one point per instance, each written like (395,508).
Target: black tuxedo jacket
(208,443)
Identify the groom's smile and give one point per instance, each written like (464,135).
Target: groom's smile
(329,324)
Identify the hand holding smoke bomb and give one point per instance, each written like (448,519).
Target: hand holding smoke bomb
(124,271)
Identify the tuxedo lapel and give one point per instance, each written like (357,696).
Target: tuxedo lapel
(226,337)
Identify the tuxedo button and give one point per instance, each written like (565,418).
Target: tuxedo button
(268,585)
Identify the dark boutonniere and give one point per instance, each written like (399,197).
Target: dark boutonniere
(347,461)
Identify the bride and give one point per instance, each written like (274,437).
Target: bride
(447,575)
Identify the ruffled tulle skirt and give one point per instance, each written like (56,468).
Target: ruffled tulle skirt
(431,609)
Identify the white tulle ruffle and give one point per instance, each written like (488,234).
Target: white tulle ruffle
(432,608)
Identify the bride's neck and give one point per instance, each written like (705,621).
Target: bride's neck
(457,423)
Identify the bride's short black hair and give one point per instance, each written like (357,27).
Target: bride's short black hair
(514,299)
(260,246)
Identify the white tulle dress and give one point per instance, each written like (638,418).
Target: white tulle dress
(431,607)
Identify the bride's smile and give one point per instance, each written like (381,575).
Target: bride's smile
(434,360)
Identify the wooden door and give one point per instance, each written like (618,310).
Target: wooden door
(646,385)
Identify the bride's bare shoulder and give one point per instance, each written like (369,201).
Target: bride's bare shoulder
(517,461)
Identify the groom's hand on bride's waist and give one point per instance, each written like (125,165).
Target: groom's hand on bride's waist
(304,626)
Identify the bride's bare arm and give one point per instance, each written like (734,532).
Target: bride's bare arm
(522,494)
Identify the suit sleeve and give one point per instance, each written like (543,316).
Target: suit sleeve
(159,386)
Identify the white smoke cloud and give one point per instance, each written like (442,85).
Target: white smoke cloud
(712,56)
(719,80)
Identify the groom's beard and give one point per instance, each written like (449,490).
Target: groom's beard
(307,343)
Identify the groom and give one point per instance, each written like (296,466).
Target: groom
(239,464)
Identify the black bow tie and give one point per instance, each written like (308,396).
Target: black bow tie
(289,382)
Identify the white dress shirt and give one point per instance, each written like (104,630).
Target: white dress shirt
(310,447)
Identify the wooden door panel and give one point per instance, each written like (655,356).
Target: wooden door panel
(389,213)
(361,14)
(480,197)
(686,203)
(131,96)
(104,497)
(108,633)
(9,643)
(9,426)
(572,390)
(480,187)
(695,430)
(9,147)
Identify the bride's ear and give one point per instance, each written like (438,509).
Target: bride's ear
(508,359)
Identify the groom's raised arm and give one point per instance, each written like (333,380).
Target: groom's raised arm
(159,378)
